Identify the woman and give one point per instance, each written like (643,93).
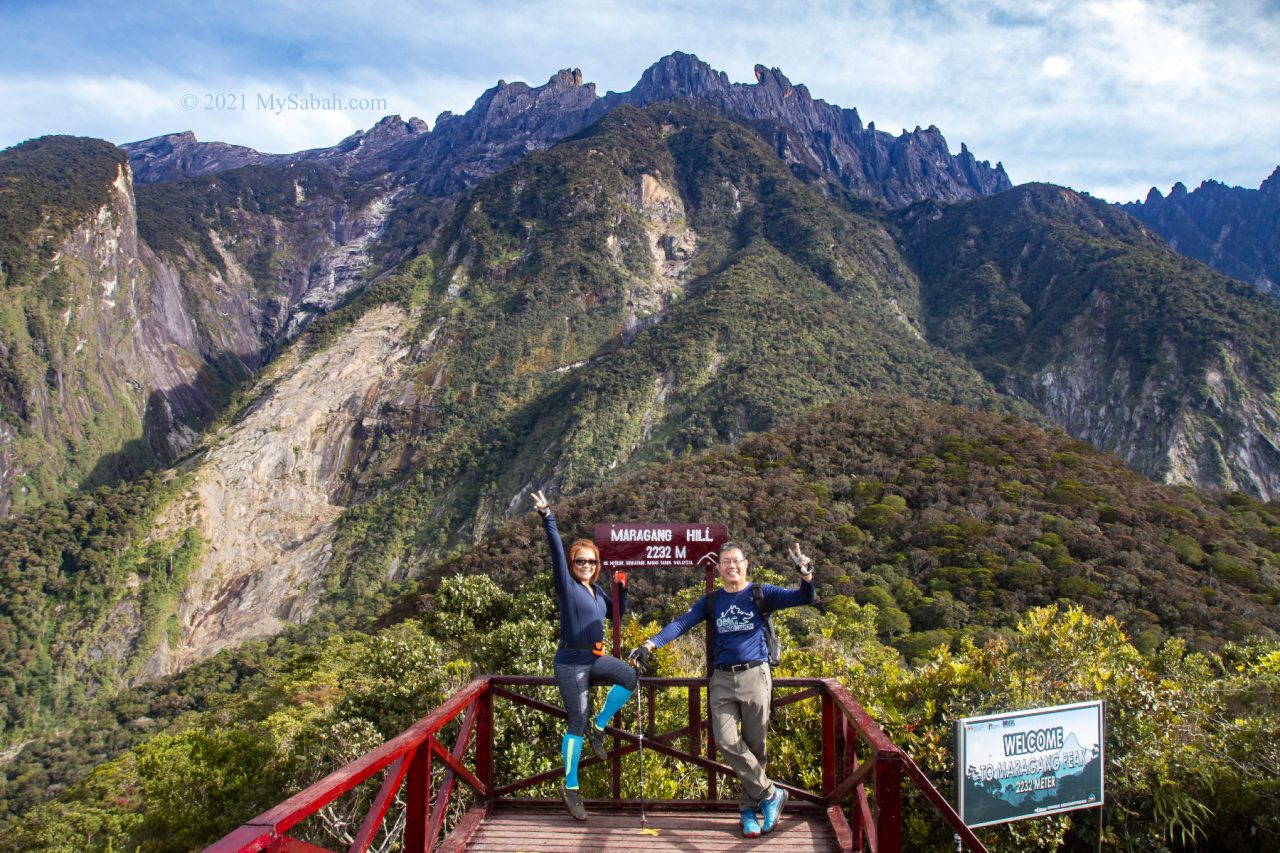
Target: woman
(580,660)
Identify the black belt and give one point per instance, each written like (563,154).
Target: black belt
(740,667)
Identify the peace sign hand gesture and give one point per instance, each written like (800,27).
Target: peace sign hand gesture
(803,563)
(540,504)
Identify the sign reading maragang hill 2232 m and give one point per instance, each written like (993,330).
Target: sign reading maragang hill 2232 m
(626,547)
(1029,763)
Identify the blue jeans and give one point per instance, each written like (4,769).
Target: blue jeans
(574,681)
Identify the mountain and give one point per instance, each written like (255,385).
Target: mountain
(133,315)
(943,523)
(821,142)
(105,369)
(389,368)
(659,284)
(180,155)
(356,373)
(1232,229)
(1066,303)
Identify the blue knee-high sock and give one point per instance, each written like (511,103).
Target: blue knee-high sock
(618,696)
(571,749)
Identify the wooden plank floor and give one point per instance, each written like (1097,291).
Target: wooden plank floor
(549,829)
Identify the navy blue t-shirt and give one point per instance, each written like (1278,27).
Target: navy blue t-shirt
(739,624)
(582,610)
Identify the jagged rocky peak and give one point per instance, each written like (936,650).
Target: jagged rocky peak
(391,130)
(822,142)
(678,75)
(1230,228)
(563,93)
(178,155)
(1270,188)
(773,78)
(566,78)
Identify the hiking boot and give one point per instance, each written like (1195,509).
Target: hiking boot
(750,826)
(595,737)
(772,808)
(573,802)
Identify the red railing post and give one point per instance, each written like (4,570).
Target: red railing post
(828,743)
(484,738)
(418,800)
(888,775)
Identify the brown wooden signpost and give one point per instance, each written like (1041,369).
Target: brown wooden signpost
(636,547)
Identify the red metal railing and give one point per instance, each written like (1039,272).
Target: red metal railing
(873,821)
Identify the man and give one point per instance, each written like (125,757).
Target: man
(741,684)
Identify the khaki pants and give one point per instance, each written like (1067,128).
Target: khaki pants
(742,699)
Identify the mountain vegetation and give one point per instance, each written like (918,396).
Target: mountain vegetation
(1067,303)
(48,186)
(64,423)
(72,574)
(575,324)
(965,563)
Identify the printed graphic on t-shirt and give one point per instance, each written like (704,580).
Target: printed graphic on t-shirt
(735,619)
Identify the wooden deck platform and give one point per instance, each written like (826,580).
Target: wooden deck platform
(547,828)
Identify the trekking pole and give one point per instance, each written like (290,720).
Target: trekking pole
(640,731)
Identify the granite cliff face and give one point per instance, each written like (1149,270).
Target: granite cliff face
(265,493)
(1232,229)
(111,362)
(1065,303)
(139,316)
(822,142)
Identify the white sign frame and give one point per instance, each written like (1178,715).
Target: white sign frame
(990,748)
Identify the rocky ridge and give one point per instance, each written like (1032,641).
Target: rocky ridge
(822,142)
(1082,312)
(1235,230)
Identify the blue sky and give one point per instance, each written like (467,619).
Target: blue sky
(1109,97)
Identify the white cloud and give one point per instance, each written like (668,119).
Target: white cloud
(1056,67)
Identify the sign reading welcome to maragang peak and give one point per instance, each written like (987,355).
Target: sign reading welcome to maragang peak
(1029,763)
(626,547)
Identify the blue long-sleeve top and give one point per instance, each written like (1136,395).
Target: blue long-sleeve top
(737,622)
(582,609)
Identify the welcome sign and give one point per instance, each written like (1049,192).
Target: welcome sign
(1029,763)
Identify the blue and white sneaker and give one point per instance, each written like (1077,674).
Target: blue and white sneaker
(772,808)
(750,826)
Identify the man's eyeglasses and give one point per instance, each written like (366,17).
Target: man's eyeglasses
(583,561)
(732,561)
